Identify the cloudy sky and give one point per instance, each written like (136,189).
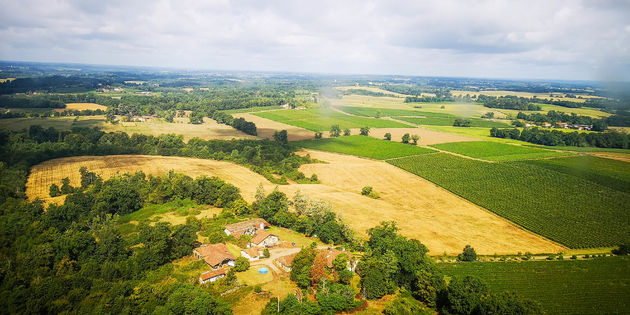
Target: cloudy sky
(546,39)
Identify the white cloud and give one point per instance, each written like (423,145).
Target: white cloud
(486,38)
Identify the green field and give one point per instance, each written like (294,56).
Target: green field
(584,149)
(381,112)
(318,119)
(568,209)
(607,172)
(496,151)
(433,119)
(251,109)
(59,123)
(597,286)
(363,146)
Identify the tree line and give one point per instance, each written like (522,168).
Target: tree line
(507,102)
(609,139)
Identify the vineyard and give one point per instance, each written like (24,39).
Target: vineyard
(317,119)
(364,146)
(565,208)
(496,151)
(607,172)
(597,286)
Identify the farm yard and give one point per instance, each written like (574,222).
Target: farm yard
(568,209)
(593,286)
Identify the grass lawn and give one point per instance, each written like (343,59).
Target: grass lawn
(496,151)
(319,119)
(571,210)
(291,236)
(597,286)
(364,147)
(607,172)
(252,277)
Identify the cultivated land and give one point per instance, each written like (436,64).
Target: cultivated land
(597,286)
(495,151)
(267,127)
(319,119)
(210,129)
(364,146)
(427,136)
(604,171)
(422,210)
(59,123)
(84,106)
(568,209)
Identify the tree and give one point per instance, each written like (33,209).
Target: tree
(266,253)
(346,132)
(335,131)
(318,270)
(281,137)
(415,139)
(274,202)
(464,296)
(240,207)
(341,262)
(241,264)
(300,269)
(54,190)
(405,138)
(623,249)
(468,254)
(318,135)
(183,240)
(364,131)
(461,122)
(388,136)
(118,196)
(65,186)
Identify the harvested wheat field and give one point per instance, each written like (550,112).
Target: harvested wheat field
(427,137)
(267,127)
(613,155)
(53,171)
(209,130)
(84,106)
(422,210)
(441,220)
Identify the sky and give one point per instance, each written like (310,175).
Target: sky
(533,39)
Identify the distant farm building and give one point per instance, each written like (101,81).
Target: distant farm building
(215,255)
(211,276)
(264,239)
(249,227)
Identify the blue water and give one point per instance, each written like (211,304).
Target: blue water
(263,270)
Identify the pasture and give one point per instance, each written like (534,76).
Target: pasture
(84,106)
(320,119)
(422,210)
(496,151)
(607,172)
(568,209)
(595,286)
(364,147)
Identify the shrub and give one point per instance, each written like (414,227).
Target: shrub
(241,264)
(573,257)
(388,136)
(367,190)
(335,131)
(365,131)
(346,132)
(257,289)
(266,253)
(405,138)
(54,190)
(468,254)
(318,135)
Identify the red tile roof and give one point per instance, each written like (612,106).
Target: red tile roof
(211,274)
(287,260)
(261,236)
(255,223)
(252,252)
(214,254)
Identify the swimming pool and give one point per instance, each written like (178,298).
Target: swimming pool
(263,270)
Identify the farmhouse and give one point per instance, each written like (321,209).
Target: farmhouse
(285,262)
(250,253)
(331,254)
(249,227)
(211,276)
(265,239)
(215,255)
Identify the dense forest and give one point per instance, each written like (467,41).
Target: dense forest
(609,139)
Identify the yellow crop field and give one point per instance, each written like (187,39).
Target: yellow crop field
(422,210)
(84,106)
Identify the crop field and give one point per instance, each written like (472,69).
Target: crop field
(60,123)
(251,109)
(607,172)
(210,129)
(84,106)
(267,127)
(439,119)
(364,146)
(597,286)
(427,136)
(568,209)
(317,119)
(496,151)
(383,112)
(422,210)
